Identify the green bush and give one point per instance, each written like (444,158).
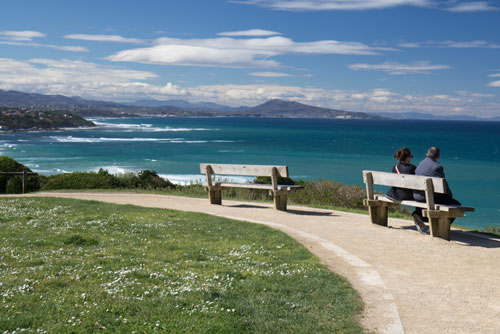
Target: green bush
(149,179)
(82,180)
(267,180)
(330,193)
(146,179)
(13,184)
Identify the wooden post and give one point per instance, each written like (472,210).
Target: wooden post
(429,194)
(378,214)
(214,192)
(280,200)
(25,182)
(378,211)
(208,173)
(280,197)
(369,185)
(274,178)
(215,195)
(439,223)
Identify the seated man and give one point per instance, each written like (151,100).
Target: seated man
(430,167)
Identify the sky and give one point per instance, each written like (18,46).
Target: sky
(439,57)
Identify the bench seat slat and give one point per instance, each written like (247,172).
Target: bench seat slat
(244,170)
(439,207)
(257,186)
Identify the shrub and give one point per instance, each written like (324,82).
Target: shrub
(267,180)
(330,193)
(82,180)
(147,179)
(13,184)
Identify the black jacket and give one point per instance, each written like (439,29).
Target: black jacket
(400,194)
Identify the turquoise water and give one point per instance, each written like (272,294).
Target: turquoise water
(312,148)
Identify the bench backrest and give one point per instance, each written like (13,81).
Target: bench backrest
(416,182)
(244,170)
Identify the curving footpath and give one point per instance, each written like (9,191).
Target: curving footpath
(410,283)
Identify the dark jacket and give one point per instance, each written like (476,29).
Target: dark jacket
(400,194)
(429,167)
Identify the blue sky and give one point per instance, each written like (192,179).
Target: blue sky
(438,57)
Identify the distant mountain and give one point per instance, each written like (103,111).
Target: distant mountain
(199,106)
(77,105)
(424,116)
(175,108)
(15,99)
(182,108)
(288,109)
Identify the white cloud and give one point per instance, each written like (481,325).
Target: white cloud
(476,6)
(25,35)
(104,38)
(397,68)
(25,38)
(450,44)
(494,83)
(50,46)
(270,74)
(317,5)
(69,77)
(235,53)
(323,5)
(251,32)
(77,78)
(187,55)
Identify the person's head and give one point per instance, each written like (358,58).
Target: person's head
(403,155)
(433,153)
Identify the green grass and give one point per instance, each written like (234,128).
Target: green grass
(70,266)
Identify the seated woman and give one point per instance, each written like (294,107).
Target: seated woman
(398,194)
(403,155)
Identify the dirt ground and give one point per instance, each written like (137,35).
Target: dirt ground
(410,283)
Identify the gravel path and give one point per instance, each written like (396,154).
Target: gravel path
(410,283)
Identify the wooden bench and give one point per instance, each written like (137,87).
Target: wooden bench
(280,192)
(439,215)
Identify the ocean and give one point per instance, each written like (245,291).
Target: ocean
(312,148)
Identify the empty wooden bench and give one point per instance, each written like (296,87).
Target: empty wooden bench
(280,192)
(439,215)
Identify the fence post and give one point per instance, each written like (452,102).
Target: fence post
(25,182)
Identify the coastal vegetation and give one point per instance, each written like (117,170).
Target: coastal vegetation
(71,266)
(13,184)
(318,193)
(14,119)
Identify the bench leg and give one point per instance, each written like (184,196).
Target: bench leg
(215,196)
(280,202)
(440,227)
(378,215)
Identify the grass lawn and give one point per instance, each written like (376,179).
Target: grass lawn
(70,266)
